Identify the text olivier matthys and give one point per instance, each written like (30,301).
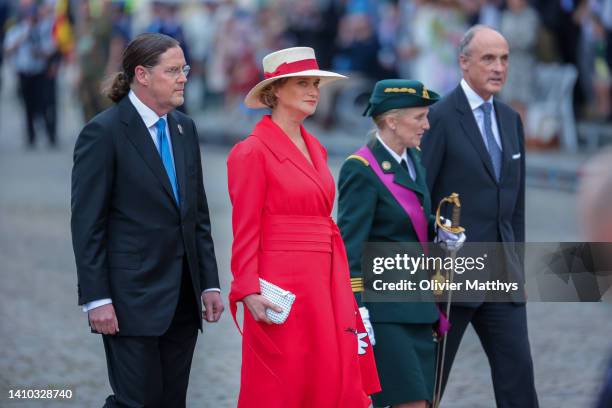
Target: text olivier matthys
(410,264)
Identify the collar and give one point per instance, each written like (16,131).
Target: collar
(279,144)
(473,98)
(395,156)
(147,114)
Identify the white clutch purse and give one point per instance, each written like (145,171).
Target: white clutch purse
(280,297)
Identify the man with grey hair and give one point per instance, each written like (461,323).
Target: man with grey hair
(475,147)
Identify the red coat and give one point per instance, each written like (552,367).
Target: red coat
(283,233)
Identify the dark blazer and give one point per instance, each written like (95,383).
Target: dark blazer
(130,239)
(456,159)
(368,212)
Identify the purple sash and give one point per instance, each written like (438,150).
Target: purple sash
(404,196)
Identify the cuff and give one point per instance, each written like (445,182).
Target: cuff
(211,290)
(244,287)
(96,303)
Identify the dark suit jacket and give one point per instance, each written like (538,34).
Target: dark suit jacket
(368,212)
(130,238)
(456,159)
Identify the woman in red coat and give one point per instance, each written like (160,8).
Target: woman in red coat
(282,195)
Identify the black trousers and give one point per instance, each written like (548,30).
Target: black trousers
(39,99)
(502,329)
(49,108)
(153,372)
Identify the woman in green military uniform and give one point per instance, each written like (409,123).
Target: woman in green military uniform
(383,197)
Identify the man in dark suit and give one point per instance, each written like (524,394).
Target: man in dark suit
(475,147)
(141,229)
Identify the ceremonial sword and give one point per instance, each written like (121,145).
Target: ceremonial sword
(455,228)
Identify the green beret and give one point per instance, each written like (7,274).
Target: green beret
(397,94)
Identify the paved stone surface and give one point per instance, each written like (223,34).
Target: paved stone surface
(45,339)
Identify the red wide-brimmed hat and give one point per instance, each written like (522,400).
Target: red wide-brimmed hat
(290,62)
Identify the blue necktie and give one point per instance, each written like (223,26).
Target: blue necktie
(567,5)
(494,150)
(166,156)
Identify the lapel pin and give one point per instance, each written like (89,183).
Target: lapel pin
(386,165)
(180,128)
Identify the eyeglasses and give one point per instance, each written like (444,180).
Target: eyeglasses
(174,72)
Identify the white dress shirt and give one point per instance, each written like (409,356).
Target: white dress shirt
(31,45)
(399,158)
(475,101)
(150,119)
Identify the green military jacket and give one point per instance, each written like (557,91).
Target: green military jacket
(368,212)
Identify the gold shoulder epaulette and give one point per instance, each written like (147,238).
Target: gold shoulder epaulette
(357,284)
(361,159)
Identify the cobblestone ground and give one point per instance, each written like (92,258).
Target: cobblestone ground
(45,339)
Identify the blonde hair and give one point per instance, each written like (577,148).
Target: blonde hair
(379,120)
(266,95)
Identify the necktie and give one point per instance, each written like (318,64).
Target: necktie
(404,165)
(164,152)
(494,150)
(567,5)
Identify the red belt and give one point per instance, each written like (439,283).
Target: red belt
(297,233)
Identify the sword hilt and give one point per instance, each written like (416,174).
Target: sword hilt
(455,227)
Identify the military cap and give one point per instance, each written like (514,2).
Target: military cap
(397,94)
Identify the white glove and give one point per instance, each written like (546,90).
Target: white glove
(361,344)
(365,316)
(450,240)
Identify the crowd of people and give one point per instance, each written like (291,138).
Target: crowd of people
(364,39)
(140,223)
